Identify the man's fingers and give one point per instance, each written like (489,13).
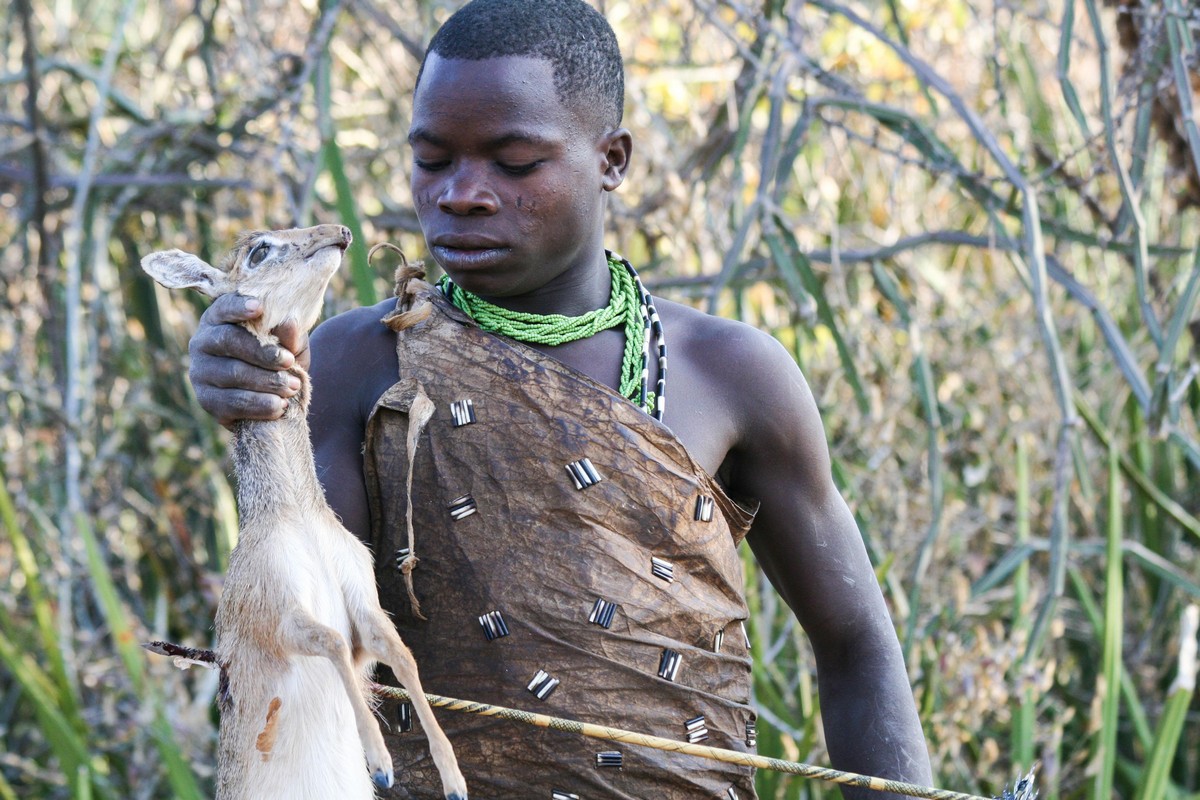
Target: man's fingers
(229,308)
(230,405)
(227,373)
(224,340)
(237,377)
(294,339)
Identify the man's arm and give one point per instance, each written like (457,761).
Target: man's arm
(353,364)
(809,546)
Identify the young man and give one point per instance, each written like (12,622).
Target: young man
(570,553)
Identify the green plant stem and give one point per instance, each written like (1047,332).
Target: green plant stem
(1108,688)
(1025,714)
(1156,775)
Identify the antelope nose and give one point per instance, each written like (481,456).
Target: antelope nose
(338,236)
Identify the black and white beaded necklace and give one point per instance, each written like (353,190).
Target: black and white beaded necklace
(653,404)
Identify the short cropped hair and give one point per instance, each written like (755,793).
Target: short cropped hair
(575,38)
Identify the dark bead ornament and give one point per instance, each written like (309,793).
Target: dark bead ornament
(602,613)
(463,412)
(542,685)
(661,568)
(404,718)
(493,625)
(668,664)
(696,729)
(462,507)
(583,473)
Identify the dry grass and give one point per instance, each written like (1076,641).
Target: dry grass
(963,222)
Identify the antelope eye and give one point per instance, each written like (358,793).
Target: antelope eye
(259,253)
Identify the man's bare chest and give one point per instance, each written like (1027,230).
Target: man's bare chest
(697,411)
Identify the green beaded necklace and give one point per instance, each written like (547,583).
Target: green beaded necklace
(629,306)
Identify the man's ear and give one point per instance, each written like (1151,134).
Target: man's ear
(618,149)
(176,269)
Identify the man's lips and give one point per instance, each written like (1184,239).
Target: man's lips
(462,254)
(466,242)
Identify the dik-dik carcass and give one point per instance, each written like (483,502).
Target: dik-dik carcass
(299,625)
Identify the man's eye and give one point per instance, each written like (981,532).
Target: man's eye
(428,166)
(259,254)
(520,169)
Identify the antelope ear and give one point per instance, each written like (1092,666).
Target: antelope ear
(176,269)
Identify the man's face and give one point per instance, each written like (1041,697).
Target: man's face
(508,181)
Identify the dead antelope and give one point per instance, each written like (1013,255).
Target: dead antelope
(299,616)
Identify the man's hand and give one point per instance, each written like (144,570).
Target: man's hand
(233,375)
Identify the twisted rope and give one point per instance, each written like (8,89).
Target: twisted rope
(419,414)
(659,743)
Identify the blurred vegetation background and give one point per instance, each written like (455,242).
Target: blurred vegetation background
(974,223)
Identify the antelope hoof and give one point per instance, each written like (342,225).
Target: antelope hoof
(456,796)
(383,778)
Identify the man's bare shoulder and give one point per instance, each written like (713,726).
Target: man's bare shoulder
(740,385)
(352,329)
(731,355)
(353,359)
(354,342)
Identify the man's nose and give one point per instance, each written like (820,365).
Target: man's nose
(467,191)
